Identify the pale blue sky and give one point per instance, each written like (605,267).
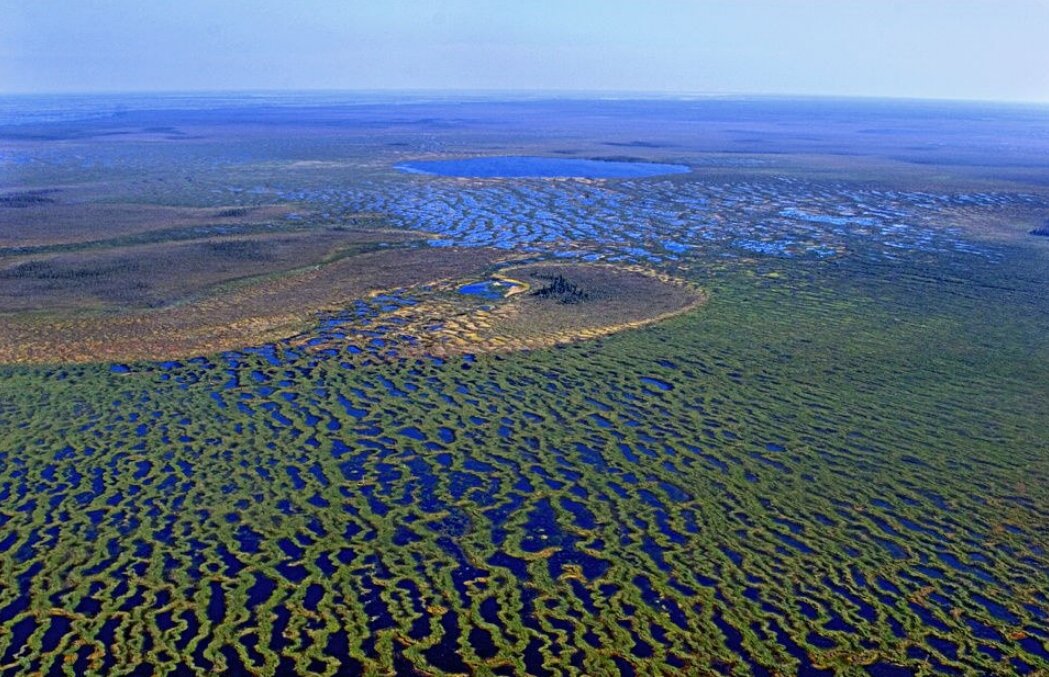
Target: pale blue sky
(968,49)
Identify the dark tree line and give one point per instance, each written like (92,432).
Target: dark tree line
(562,291)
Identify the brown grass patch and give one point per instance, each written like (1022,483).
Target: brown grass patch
(50,223)
(248,314)
(120,279)
(610,299)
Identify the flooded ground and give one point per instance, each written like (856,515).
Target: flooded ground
(836,464)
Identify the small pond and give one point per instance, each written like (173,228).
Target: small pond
(487,289)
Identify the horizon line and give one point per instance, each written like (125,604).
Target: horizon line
(494,93)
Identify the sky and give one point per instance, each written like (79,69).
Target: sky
(953,49)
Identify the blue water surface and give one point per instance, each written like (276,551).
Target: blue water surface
(524,166)
(488,289)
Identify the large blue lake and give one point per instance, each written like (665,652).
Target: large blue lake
(525,166)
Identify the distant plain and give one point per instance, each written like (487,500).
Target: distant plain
(780,413)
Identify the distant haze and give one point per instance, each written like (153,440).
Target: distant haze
(963,49)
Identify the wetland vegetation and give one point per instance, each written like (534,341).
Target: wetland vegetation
(272,408)
(562,290)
